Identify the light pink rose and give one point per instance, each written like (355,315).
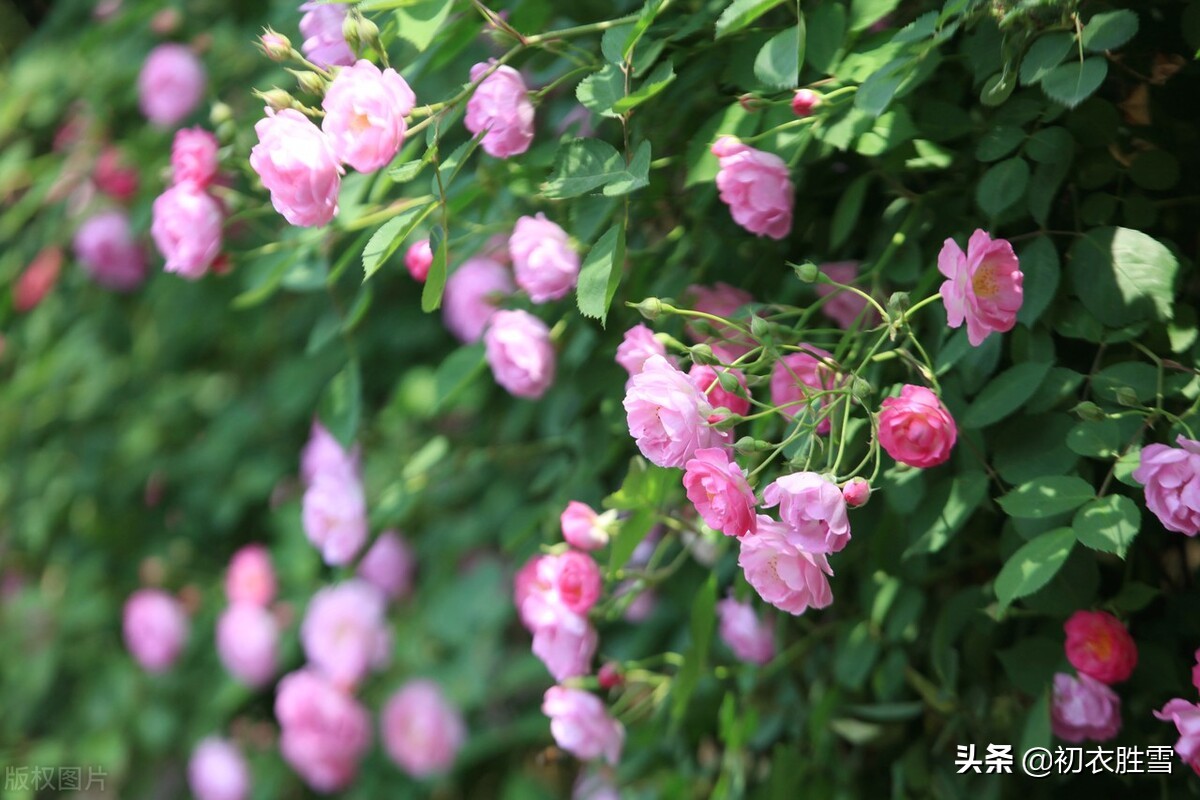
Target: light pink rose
(1171,476)
(527,581)
(364,115)
(298,167)
(388,565)
(520,353)
(324,453)
(108,252)
(543,260)
(217,771)
(915,428)
(418,260)
(1099,646)
(983,286)
(756,186)
(345,634)
(422,731)
(156,628)
(856,492)
(194,157)
(844,307)
(321,27)
(797,377)
(581,725)
(752,640)
(569,580)
(1083,709)
(1186,717)
(187,229)
(501,106)
(720,300)
(704,378)
(637,346)
(335,515)
(582,527)
(471,296)
(804,101)
(813,508)
(783,573)
(565,642)
(250,577)
(668,416)
(170,84)
(324,732)
(718,489)
(247,642)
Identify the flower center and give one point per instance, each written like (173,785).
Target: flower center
(984,282)
(359,122)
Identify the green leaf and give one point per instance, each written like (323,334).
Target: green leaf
(741,13)
(998,141)
(1041,268)
(778,62)
(456,372)
(635,176)
(601,274)
(878,90)
(1046,497)
(949,514)
(1109,30)
(1155,170)
(1133,597)
(1049,145)
(435,281)
(391,236)
(1108,524)
(1123,276)
(849,206)
(998,88)
(645,20)
(655,82)
(1046,53)
(703,621)
(341,404)
(1074,82)
(585,165)
(1005,393)
(865,13)
(419,22)
(1033,565)
(631,533)
(1095,438)
(826,31)
(1002,186)
(600,90)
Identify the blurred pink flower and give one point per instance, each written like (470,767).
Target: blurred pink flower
(108,252)
(345,634)
(1186,717)
(982,287)
(247,642)
(637,346)
(422,731)
(217,771)
(545,264)
(582,527)
(321,27)
(364,115)
(324,453)
(471,297)
(194,157)
(418,260)
(1083,709)
(37,280)
(520,353)
(844,307)
(156,628)
(752,640)
(720,300)
(250,577)
(388,565)
(170,84)
(565,642)
(797,377)
(113,177)
(501,106)
(324,732)
(187,229)
(335,515)
(581,724)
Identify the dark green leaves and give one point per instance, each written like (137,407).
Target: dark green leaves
(1007,392)
(1123,276)
(1046,497)
(1002,186)
(741,13)
(601,274)
(585,165)
(1075,81)
(1109,31)
(1032,566)
(1046,53)
(778,62)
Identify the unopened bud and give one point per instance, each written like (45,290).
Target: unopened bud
(1089,411)
(748,444)
(275,45)
(804,102)
(807,272)
(610,675)
(309,82)
(760,328)
(368,31)
(897,304)
(651,308)
(1127,396)
(861,390)
(728,381)
(750,102)
(702,354)
(350,31)
(277,99)
(220,114)
(856,492)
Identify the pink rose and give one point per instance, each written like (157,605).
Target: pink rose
(247,642)
(194,157)
(718,489)
(798,377)
(501,106)
(1084,709)
(520,353)
(704,378)
(720,300)
(471,296)
(323,731)
(804,101)
(564,641)
(582,527)
(1099,646)
(187,229)
(364,115)
(578,581)
(108,252)
(112,177)
(388,565)
(1171,476)
(544,263)
(335,516)
(637,346)
(345,634)
(752,640)
(418,260)
(844,307)
(570,580)
(217,771)
(1186,717)
(915,428)
(156,628)
(983,286)
(581,725)
(756,186)
(250,577)
(422,731)
(298,167)
(526,582)
(668,416)
(782,572)
(324,453)
(856,492)
(321,27)
(813,508)
(170,84)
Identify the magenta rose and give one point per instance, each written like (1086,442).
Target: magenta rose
(856,492)
(324,44)
(422,731)
(718,489)
(364,115)
(915,428)
(1171,476)
(500,106)
(194,157)
(418,260)
(187,229)
(812,508)
(323,731)
(156,628)
(752,640)
(471,296)
(804,101)
(1099,646)
(668,417)
(756,186)
(170,84)
(108,252)
(218,771)
(1083,708)
(581,725)
(520,353)
(982,287)
(388,565)
(796,378)
(247,642)
(544,263)
(345,633)
(783,573)
(298,167)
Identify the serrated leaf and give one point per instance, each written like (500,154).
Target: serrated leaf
(1033,565)
(1002,186)
(658,80)
(877,91)
(1109,30)
(778,62)
(1041,269)
(1046,53)
(1004,394)
(601,274)
(1072,83)
(600,90)
(1046,497)
(741,13)
(585,165)
(390,236)
(1123,276)
(1108,524)
(645,20)
(435,279)
(419,22)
